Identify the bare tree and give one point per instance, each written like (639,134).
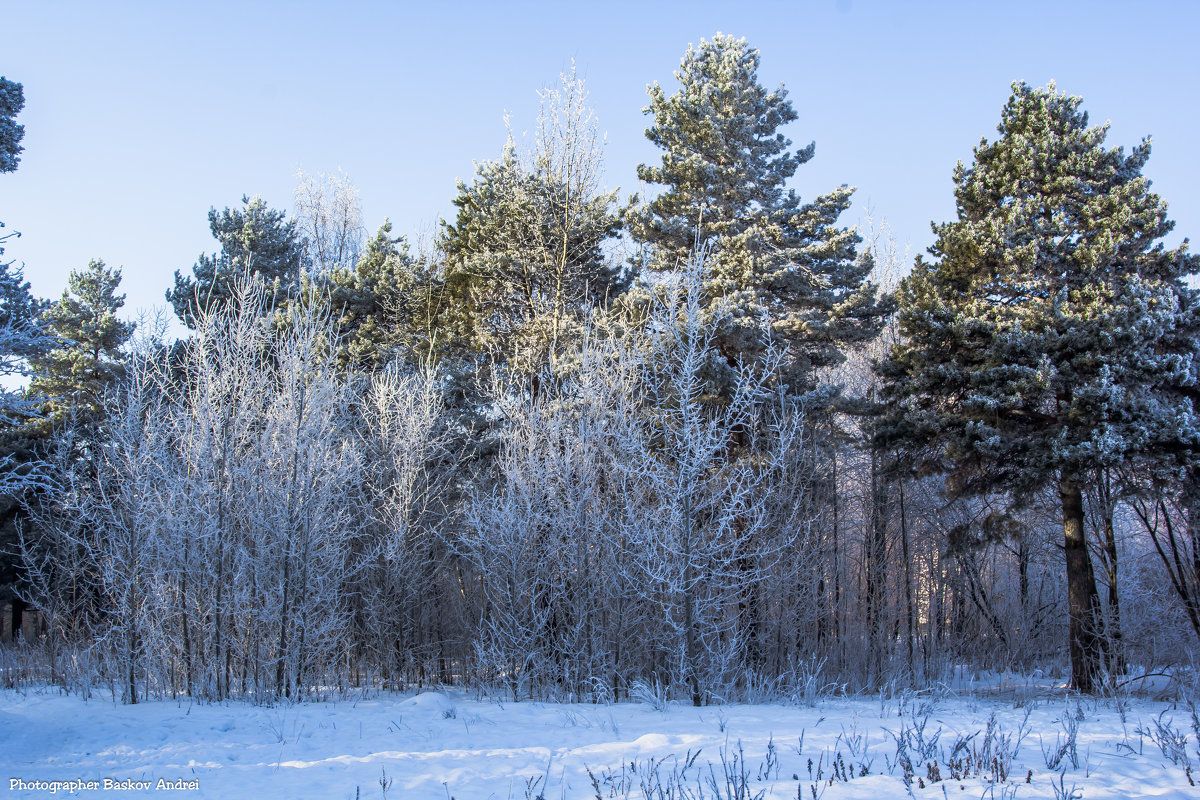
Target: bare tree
(329,213)
(554,611)
(694,524)
(95,569)
(568,158)
(404,594)
(207,542)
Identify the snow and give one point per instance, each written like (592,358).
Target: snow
(453,745)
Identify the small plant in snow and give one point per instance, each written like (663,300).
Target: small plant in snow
(733,782)
(770,764)
(1065,744)
(1171,741)
(1063,793)
(652,694)
(385,783)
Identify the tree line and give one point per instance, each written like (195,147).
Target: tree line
(708,444)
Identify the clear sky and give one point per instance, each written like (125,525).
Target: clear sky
(141,116)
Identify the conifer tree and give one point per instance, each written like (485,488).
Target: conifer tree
(21,337)
(12,100)
(381,304)
(725,168)
(1040,337)
(524,254)
(87,360)
(22,471)
(255,240)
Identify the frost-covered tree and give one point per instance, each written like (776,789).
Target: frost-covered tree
(724,172)
(619,539)
(21,338)
(382,303)
(1038,339)
(20,330)
(329,218)
(524,254)
(87,360)
(255,240)
(12,100)
(23,471)
(557,604)
(94,569)
(696,516)
(207,542)
(405,603)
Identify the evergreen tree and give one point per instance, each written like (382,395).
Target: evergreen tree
(1038,340)
(12,100)
(21,337)
(22,472)
(381,304)
(524,254)
(87,362)
(18,307)
(19,318)
(725,168)
(255,240)
(74,372)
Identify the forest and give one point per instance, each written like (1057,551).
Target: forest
(708,444)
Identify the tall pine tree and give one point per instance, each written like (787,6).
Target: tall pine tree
(725,168)
(21,337)
(1038,340)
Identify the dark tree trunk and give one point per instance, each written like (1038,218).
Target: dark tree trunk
(691,646)
(876,553)
(910,605)
(1193,529)
(1086,643)
(1116,653)
(18,616)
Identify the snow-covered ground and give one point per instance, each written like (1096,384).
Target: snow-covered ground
(447,745)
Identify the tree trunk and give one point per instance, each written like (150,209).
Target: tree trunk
(1192,500)
(876,577)
(910,605)
(691,647)
(835,627)
(1116,654)
(17,610)
(1086,644)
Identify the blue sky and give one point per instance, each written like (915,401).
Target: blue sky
(141,116)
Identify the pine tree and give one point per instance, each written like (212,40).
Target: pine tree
(255,240)
(87,362)
(21,337)
(1038,340)
(12,100)
(725,168)
(22,472)
(524,254)
(381,304)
